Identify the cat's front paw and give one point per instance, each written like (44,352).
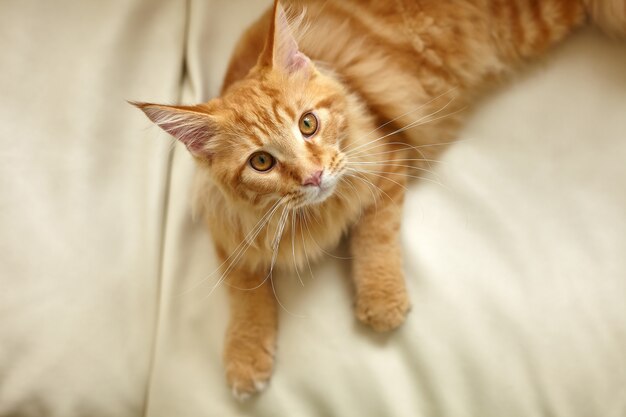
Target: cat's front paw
(382,307)
(248,366)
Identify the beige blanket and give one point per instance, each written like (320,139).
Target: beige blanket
(516,263)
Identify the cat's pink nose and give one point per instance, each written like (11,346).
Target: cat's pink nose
(314,179)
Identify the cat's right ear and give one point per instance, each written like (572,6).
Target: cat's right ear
(189,124)
(281,48)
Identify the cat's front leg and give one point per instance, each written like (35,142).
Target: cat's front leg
(251,335)
(382,301)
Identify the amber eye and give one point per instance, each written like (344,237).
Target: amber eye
(262,161)
(308,124)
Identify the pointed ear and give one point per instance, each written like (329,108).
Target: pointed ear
(281,49)
(189,124)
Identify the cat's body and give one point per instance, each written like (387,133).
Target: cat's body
(428,60)
(380,66)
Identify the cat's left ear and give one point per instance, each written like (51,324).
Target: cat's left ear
(281,49)
(191,125)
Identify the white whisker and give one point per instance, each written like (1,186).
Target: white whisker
(293,247)
(254,231)
(417,123)
(248,241)
(404,114)
(303,244)
(383,165)
(385,174)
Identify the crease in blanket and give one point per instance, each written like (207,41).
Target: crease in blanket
(184,81)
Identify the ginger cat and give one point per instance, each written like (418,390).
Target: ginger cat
(321,121)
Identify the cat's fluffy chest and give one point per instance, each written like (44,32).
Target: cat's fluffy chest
(275,235)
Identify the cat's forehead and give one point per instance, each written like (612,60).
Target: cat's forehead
(268,114)
(268,93)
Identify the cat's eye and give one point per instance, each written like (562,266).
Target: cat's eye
(262,161)
(308,124)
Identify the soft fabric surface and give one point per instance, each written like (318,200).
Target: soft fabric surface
(516,263)
(83,186)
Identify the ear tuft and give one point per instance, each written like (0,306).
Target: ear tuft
(281,49)
(188,124)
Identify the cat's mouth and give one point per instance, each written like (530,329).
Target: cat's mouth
(319,194)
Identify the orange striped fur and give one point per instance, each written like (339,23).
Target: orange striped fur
(367,69)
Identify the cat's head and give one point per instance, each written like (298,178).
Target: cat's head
(275,134)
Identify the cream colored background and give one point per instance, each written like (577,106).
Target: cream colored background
(517,267)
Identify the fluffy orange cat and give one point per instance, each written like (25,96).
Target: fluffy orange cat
(322,119)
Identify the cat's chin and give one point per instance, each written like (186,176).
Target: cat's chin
(319,195)
(316,195)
